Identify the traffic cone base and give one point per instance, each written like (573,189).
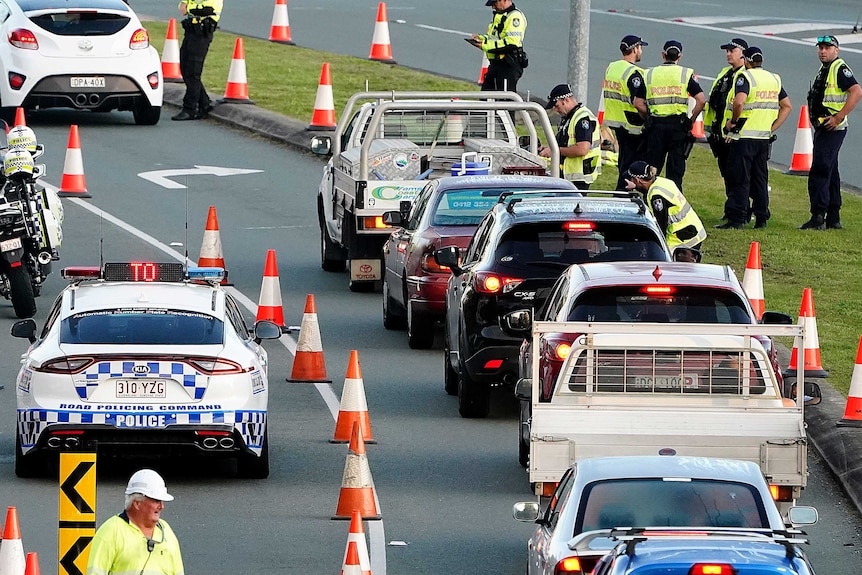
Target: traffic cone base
(171,55)
(236,91)
(853,411)
(811,353)
(803,146)
(354,408)
(279,32)
(269,305)
(381,47)
(12,559)
(357,486)
(211,251)
(308,363)
(752,280)
(323,116)
(73,183)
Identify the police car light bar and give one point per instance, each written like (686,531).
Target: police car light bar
(206,273)
(81,272)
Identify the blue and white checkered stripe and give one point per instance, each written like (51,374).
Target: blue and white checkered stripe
(192,380)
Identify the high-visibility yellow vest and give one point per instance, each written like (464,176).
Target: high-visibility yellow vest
(710,114)
(511,33)
(667,90)
(216,5)
(680,215)
(834,97)
(731,94)
(120,548)
(573,167)
(619,109)
(761,105)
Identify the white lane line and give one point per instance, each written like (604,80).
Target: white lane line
(708,20)
(376,533)
(446,30)
(787,28)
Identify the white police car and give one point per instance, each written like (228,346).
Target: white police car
(144,359)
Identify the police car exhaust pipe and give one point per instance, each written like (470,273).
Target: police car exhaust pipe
(53,442)
(44,258)
(71,442)
(226,442)
(210,443)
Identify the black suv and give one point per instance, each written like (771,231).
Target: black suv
(520,248)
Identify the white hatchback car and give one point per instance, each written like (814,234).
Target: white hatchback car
(83,54)
(144,359)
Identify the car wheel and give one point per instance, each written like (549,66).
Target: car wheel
(21,292)
(250,466)
(450,376)
(330,258)
(393,315)
(420,329)
(32,465)
(474,399)
(523,433)
(146,115)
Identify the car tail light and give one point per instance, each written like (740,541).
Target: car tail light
(491,283)
(781,492)
(658,290)
(69,365)
(24,39)
(429,264)
(712,569)
(16,80)
(214,366)
(67,432)
(579,226)
(568,565)
(374,222)
(562,350)
(153,80)
(140,40)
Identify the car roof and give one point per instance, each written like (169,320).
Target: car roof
(526,209)
(631,467)
(157,295)
(503,181)
(54,5)
(741,549)
(643,273)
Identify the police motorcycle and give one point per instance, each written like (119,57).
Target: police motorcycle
(31,217)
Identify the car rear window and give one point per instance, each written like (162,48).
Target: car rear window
(532,247)
(673,502)
(660,304)
(467,207)
(141,327)
(81,23)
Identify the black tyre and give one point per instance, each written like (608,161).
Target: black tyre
(420,329)
(249,466)
(21,292)
(523,435)
(146,115)
(450,376)
(332,257)
(31,465)
(393,314)
(474,399)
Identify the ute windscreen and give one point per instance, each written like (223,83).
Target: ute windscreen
(141,327)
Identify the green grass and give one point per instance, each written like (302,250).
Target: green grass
(284,79)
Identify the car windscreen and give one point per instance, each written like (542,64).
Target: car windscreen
(141,327)
(660,304)
(673,502)
(81,23)
(532,249)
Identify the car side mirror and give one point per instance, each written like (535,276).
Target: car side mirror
(687,255)
(525,511)
(518,322)
(26,328)
(802,515)
(265,329)
(321,145)
(776,318)
(450,256)
(392,218)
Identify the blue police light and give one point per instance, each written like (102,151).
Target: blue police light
(206,273)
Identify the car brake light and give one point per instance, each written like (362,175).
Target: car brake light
(67,432)
(712,569)
(153,80)
(24,39)
(579,226)
(16,80)
(68,365)
(568,565)
(658,290)
(781,492)
(213,366)
(429,264)
(140,40)
(492,283)
(562,351)
(374,222)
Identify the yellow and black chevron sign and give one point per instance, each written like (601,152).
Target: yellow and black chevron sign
(77,525)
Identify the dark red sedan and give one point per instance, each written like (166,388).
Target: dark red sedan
(445,213)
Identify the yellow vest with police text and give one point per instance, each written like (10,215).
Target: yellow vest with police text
(680,214)
(573,167)
(618,98)
(667,90)
(511,34)
(761,105)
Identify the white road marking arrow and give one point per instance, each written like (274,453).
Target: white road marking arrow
(160,177)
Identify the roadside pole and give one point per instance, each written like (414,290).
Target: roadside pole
(579,48)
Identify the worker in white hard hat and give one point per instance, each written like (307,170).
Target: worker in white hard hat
(138,540)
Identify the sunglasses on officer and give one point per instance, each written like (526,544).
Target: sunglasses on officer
(827,40)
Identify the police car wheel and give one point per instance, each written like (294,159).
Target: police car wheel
(21,292)
(250,466)
(145,114)
(31,465)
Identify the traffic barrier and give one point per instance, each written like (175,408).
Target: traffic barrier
(73,183)
(381,48)
(811,352)
(357,486)
(280,29)
(353,408)
(211,252)
(484,69)
(351,561)
(308,363)
(803,146)
(32,564)
(323,117)
(236,91)
(12,561)
(752,280)
(19,117)
(356,538)
(269,305)
(853,411)
(171,55)
(600,114)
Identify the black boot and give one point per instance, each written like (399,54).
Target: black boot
(817,222)
(833,221)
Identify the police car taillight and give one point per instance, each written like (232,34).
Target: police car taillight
(206,274)
(711,569)
(212,366)
(70,365)
(81,272)
(579,226)
(568,565)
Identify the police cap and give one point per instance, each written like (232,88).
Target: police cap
(630,42)
(639,169)
(559,92)
(735,43)
(672,45)
(753,54)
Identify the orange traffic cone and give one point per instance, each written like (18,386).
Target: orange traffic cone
(323,117)
(484,70)
(356,538)
(357,486)
(811,352)
(752,280)
(308,364)
(269,306)
(211,252)
(381,49)
(354,408)
(171,54)
(600,114)
(236,91)
(803,146)
(19,117)
(32,567)
(853,411)
(352,565)
(73,183)
(280,29)
(12,561)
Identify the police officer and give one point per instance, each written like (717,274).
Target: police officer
(199,25)
(717,112)
(578,138)
(675,216)
(504,46)
(668,127)
(760,105)
(625,103)
(832,97)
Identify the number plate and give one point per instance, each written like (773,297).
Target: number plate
(140,388)
(87,82)
(9,245)
(663,382)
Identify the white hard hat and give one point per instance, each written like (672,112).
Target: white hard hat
(150,484)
